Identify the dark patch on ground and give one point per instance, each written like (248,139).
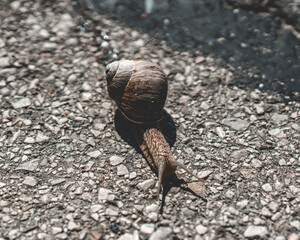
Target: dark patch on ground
(261,51)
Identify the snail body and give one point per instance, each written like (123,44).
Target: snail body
(139,88)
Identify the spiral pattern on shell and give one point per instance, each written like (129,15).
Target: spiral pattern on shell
(139,87)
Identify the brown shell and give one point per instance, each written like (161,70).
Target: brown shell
(139,88)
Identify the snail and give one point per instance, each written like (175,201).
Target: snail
(139,88)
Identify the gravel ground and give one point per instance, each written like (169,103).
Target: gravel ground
(260,39)
(67,174)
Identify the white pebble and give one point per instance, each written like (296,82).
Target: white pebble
(30,181)
(116,160)
(200,229)
(267,187)
(255,231)
(147,228)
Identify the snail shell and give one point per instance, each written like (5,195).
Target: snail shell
(139,88)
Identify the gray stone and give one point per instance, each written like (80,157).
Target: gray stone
(236,123)
(57,181)
(229,194)
(96,133)
(147,228)
(204,174)
(259,109)
(44,33)
(267,187)
(126,236)
(86,86)
(56,230)
(279,117)
(89,165)
(87,196)
(200,229)
(94,154)
(95,216)
(161,233)
(295,224)
(21,103)
(255,231)
(72,226)
(64,25)
(91,141)
(60,236)
(122,170)
(30,181)
(111,212)
(266,212)
(116,160)
(146,184)
(151,208)
(277,132)
(31,20)
(132,175)
(2,43)
(103,193)
(14,233)
(106,105)
(204,105)
(28,166)
(256,163)
(15,5)
(86,96)
(72,78)
(4,62)
(29,140)
(293,236)
(282,162)
(248,173)
(220,132)
(254,95)
(99,126)
(2,83)
(273,206)
(5,91)
(96,208)
(72,41)
(41,138)
(47,46)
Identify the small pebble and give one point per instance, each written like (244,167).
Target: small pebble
(72,226)
(267,187)
(116,160)
(200,229)
(122,170)
(103,193)
(236,123)
(30,181)
(147,228)
(94,154)
(255,231)
(161,233)
(220,132)
(146,184)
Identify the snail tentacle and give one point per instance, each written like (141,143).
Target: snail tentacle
(160,173)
